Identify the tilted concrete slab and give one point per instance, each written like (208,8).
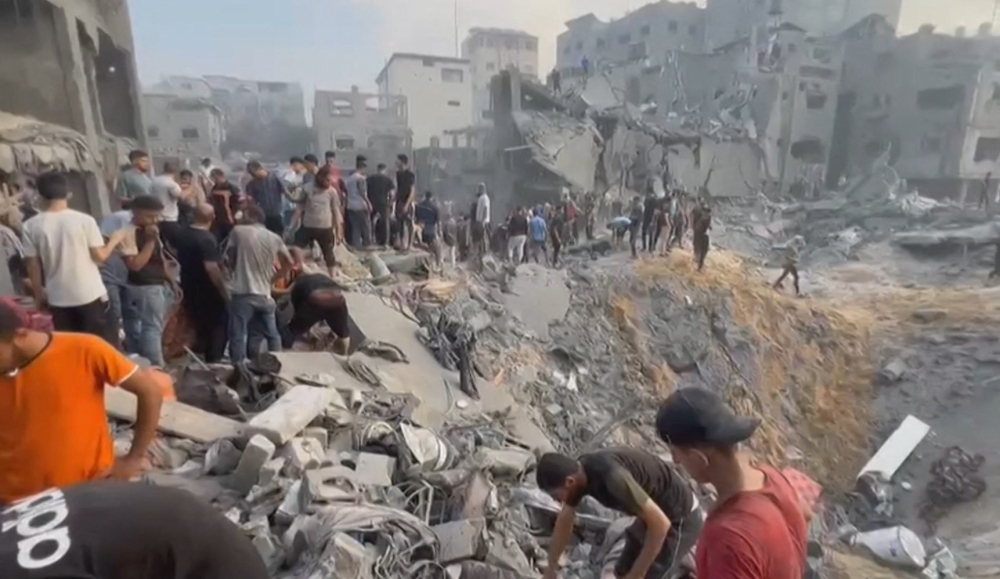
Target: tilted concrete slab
(175,418)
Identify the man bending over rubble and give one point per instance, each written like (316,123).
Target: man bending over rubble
(668,517)
(317,298)
(53,427)
(757,529)
(119,530)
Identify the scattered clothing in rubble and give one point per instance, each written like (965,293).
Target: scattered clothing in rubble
(120,530)
(955,479)
(626,480)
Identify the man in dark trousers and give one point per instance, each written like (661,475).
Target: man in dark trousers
(406,198)
(380,191)
(317,298)
(701,223)
(668,517)
(648,211)
(122,530)
(204,285)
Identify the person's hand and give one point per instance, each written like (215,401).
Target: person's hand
(152,230)
(126,468)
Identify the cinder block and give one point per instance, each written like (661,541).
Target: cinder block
(258,451)
(292,413)
(375,469)
(460,540)
(335,483)
(321,435)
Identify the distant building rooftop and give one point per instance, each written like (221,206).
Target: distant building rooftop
(500,32)
(414,56)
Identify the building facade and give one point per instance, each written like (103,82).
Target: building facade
(353,123)
(490,50)
(438,93)
(649,32)
(247,102)
(71,64)
(183,129)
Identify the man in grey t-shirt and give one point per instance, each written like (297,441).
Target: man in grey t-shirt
(134,182)
(321,219)
(253,252)
(358,207)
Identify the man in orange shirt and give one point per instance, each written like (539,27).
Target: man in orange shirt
(53,427)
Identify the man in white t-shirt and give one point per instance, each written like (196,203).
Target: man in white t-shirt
(168,191)
(67,246)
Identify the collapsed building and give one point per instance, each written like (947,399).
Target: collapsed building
(70,96)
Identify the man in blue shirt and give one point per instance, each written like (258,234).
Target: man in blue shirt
(267,192)
(539,232)
(427,214)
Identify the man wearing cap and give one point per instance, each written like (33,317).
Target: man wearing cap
(668,518)
(757,529)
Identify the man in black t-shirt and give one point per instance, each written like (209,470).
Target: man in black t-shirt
(380,188)
(225,199)
(667,515)
(121,530)
(406,197)
(204,285)
(317,298)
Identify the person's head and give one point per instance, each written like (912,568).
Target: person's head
(702,431)
(53,186)
(330,157)
(560,476)
(361,164)
(480,189)
(322,178)
(428,195)
(170,169)
(253,215)
(204,214)
(298,165)
(256,170)
(206,162)
(186,178)
(14,333)
(218,176)
(381,168)
(402,162)
(139,160)
(146,210)
(311,162)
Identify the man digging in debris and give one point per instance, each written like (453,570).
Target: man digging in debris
(317,298)
(757,529)
(119,530)
(53,427)
(792,251)
(668,515)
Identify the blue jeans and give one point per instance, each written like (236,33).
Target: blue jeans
(244,311)
(144,314)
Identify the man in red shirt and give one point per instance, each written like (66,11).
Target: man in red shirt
(757,529)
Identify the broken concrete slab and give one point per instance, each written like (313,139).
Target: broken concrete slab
(291,505)
(893,371)
(895,450)
(222,458)
(331,484)
(504,463)
(291,414)
(460,540)
(175,418)
(303,454)
(271,470)
(375,469)
(258,452)
(295,364)
(268,550)
(320,434)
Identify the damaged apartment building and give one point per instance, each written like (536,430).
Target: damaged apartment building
(353,123)
(182,130)
(930,102)
(69,99)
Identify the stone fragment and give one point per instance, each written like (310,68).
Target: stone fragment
(257,453)
(505,463)
(270,472)
(303,454)
(893,371)
(335,483)
(375,469)
(321,435)
(290,506)
(928,315)
(268,551)
(460,540)
(292,413)
(222,458)
(257,525)
(175,418)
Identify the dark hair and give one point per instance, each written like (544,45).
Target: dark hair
(52,186)
(295,160)
(253,166)
(146,203)
(310,158)
(187,173)
(553,470)
(330,155)
(137,154)
(206,161)
(254,214)
(428,194)
(170,168)
(361,162)
(323,175)
(381,167)
(12,319)
(216,172)
(403,159)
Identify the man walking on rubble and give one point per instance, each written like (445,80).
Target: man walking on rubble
(648,213)
(121,530)
(635,224)
(757,529)
(320,218)
(668,517)
(359,209)
(539,233)
(792,251)
(53,426)
(701,223)
(406,197)
(517,236)
(66,246)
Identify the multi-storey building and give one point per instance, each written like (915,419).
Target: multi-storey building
(438,92)
(353,123)
(244,102)
(70,64)
(182,129)
(490,50)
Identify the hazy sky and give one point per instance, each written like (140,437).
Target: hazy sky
(333,44)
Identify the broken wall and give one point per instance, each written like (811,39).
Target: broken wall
(736,167)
